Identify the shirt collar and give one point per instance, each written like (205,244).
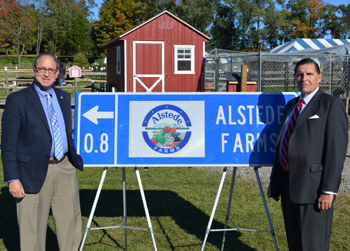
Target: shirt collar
(42,94)
(308,98)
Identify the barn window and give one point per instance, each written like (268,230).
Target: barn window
(118,60)
(184,59)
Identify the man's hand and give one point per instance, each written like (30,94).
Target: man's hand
(16,189)
(276,198)
(325,201)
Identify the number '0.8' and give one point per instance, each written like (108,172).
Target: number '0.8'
(89,143)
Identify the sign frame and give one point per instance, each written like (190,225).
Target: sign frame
(123,106)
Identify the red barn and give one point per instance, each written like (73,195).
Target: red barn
(163,54)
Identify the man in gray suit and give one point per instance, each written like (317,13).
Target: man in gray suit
(310,154)
(40,159)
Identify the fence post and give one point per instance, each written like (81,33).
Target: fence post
(286,80)
(330,74)
(6,80)
(216,70)
(244,72)
(260,71)
(217,74)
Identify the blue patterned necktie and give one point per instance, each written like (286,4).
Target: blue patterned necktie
(56,129)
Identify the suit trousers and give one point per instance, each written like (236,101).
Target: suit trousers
(307,228)
(60,192)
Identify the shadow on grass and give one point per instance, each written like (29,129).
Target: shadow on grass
(160,203)
(9,227)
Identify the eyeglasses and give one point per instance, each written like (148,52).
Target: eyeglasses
(42,70)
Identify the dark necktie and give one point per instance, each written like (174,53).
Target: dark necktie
(288,134)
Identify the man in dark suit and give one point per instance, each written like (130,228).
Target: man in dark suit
(309,160)
(40,159)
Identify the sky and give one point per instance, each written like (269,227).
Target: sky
(97,9)
(99,3)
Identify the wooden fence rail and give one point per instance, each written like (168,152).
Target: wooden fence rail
(70,89)
(25,77)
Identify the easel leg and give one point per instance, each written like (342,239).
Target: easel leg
(265,205)
(124,211)
(214,207)
(93,207)
(145,207)
(229,206)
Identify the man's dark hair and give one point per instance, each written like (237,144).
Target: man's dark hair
(47,54)
(307,61)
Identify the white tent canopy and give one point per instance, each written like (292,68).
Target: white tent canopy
(343,50)
(336,46)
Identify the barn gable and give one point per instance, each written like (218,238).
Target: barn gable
(163,54)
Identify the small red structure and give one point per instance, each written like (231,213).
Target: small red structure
(75,72)
(163,54)
(234,82)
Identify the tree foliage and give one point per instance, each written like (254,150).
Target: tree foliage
(80,60)
(344,21)
(305,19)
(115,18)
(224,29)
(79,33)
(249,25)
(197,13)
(66,27)
(15,26)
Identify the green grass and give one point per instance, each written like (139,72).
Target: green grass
(180,201)
(12,59)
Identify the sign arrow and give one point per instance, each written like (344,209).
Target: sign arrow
(93,115)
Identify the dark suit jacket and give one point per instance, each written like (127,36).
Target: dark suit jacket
(317,149)
(26,139)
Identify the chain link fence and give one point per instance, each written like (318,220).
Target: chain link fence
(276,71)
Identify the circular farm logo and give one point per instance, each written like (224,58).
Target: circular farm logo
(166,129)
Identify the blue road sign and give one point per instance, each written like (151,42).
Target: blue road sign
(178,129)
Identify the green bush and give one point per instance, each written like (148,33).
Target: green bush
(80,60)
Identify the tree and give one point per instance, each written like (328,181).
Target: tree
(115,18)
(57,24)
(40,21)
(344,19)
(80,60)
(223,30)
(268,21)
(50,47)
(79,33)
(305,19)
(197,13)
(247,25)
(15,26)
(274,22)
(147,9)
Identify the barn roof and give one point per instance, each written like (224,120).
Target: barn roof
(301,44)
(149,20)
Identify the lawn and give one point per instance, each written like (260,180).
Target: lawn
(180,201)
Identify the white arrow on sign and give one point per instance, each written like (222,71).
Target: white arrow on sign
(93,115)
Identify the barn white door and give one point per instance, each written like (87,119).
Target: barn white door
(148,66)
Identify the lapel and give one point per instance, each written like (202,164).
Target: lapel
(290,108)
(35,99)
(309,109)
(62,102)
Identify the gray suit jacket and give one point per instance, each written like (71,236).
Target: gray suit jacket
(26,138)
(317,149)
